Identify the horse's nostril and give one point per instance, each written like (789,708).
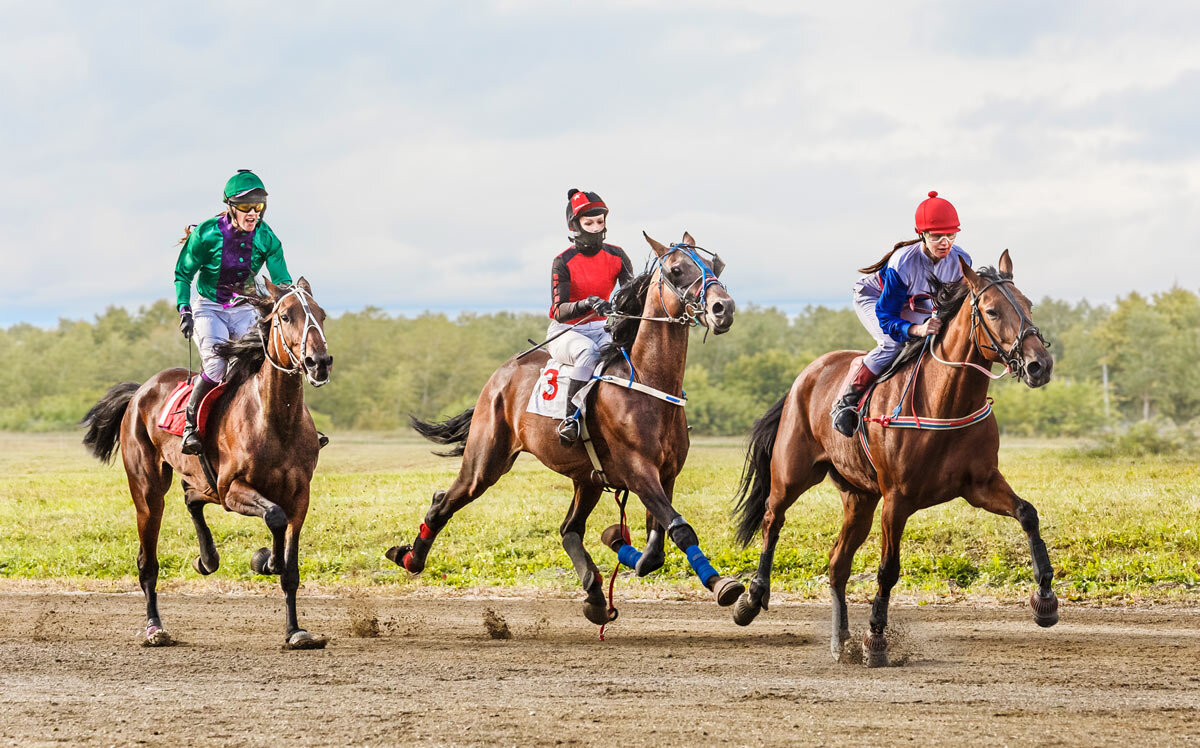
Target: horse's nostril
(718,309)
(1034,368)
(309,362)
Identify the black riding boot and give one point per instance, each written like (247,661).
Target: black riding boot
(191,440)
(845,408)
(568,430)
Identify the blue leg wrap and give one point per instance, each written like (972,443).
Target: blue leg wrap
(700,563)
(629,556)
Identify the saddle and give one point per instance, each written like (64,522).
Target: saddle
(173,416)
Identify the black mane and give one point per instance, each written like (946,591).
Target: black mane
(949,298)
(246,355)
(631,299)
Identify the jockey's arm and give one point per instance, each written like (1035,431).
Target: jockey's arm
(276,265)
(186,267)
(560,293)
(890,304)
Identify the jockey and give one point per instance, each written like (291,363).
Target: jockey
(893,300)
(227,251)
(582,279)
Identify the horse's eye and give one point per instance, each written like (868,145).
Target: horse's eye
(676,271)
(284,317)
(992,313)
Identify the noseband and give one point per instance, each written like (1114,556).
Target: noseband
(310,323)
(1012,356)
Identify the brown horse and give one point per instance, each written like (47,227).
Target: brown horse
(794,446)
(641,440)
(263,447)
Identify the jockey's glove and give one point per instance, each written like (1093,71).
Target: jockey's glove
(600,306)
(186,324)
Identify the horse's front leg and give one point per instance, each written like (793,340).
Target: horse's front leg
(244,499)
(997,497)
(289,580)
(572,529)
(892,523)
(645,482)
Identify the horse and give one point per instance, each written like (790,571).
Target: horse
(641,441)
(794,446)
(264,447)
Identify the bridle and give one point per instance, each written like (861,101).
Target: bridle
(694,296)
(276,334)
(1011,358)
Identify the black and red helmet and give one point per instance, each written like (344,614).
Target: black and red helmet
(581,203)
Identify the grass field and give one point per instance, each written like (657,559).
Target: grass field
(1116,529)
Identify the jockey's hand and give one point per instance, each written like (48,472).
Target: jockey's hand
(931,327)
(600,306)
(186,324)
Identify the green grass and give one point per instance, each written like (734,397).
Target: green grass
(1115,527)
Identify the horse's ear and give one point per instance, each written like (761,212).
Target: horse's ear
(658,247)
(718,265)
(275,291)
(969,275)
(304,284)
(1006,264)
(687,239)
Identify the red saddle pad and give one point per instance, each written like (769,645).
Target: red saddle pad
(173,416)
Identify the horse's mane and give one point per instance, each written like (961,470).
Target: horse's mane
(631,299)
(949,298)
(245,356)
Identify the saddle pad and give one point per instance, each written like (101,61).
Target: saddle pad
(549,396)
(173,416)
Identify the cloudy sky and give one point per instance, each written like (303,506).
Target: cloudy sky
(418,153)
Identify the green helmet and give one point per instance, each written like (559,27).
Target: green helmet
(245,186)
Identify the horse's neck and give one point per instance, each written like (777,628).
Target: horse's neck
(281,399)
(659,352)
(955,391)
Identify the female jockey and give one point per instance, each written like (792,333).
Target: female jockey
(582,279)
(227,251)
(893,300)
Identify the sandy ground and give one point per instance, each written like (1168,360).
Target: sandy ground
(409,670)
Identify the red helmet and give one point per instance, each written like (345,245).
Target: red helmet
(581,203)
(937,215)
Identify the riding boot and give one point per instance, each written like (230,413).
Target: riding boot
(845,407)
(191,439)
(568,430)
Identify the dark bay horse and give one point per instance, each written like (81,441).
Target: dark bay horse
(794,446)
(641,440)
(263,447)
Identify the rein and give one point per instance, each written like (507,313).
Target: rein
(276,334)
(693,307)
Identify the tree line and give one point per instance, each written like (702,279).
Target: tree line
(387,367)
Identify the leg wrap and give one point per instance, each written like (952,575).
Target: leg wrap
(629,556)
(700,563)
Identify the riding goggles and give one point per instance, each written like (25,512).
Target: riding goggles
(939,238)
(249,207)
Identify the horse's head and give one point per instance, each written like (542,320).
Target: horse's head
(1001,325)
(296,336)
(691,276)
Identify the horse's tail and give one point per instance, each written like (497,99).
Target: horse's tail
(103,421)
(450,431)
(756,475)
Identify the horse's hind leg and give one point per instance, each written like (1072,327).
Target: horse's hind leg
(488,456)
(209,560)
(572,529)
(858,510)
(892,522)
(148,484)
(997,496)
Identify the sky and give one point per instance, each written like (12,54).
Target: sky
(418,154)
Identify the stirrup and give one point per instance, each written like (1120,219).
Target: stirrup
(846,426)
(191,444)
(568,432)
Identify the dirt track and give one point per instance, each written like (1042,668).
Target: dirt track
(671,673)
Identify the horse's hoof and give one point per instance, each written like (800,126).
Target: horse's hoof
(1045,609)
(198,565)
(727,590)
(745,611)
(874,650)
(837,644)
(597,614)
(402,556)
(156,636)
(615,536)
(301,639)
(260,562)
(650,563)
